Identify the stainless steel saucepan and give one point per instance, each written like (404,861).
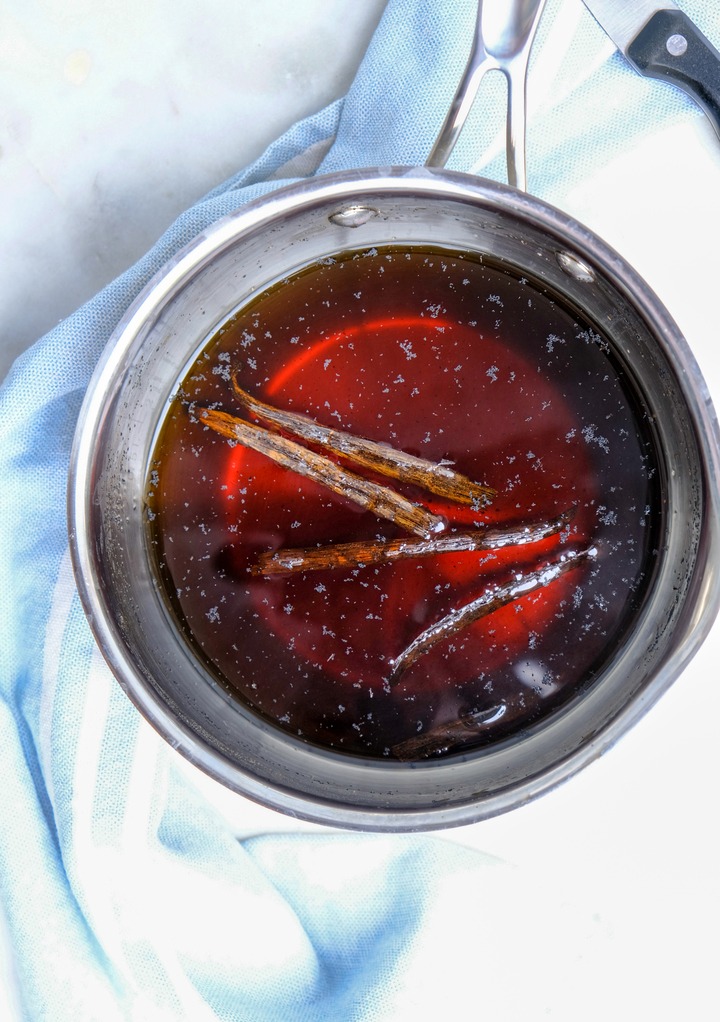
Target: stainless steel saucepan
(231,266)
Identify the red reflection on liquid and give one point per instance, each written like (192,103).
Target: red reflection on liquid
(442,391)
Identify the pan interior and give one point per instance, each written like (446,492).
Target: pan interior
(190,699)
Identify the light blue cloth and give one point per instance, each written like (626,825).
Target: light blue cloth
(127,895)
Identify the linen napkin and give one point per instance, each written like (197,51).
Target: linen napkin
(126,893)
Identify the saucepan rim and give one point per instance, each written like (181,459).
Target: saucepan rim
(343,190)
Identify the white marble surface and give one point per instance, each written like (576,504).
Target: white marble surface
(116,117)
(100,100)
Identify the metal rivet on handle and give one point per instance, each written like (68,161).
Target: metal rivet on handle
(352,216)
(575,267)
(676,45)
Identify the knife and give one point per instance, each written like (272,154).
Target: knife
(660,41)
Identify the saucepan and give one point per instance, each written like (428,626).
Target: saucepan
(394,498)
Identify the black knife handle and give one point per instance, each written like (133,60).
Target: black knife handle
(696,69)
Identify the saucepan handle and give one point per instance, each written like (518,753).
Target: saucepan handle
(504,34)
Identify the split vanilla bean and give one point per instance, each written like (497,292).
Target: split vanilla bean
(350,555)
(444,737)
(369,495)
(433,476)
(491,600)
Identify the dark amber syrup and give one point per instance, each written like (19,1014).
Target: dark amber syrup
(453,359)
